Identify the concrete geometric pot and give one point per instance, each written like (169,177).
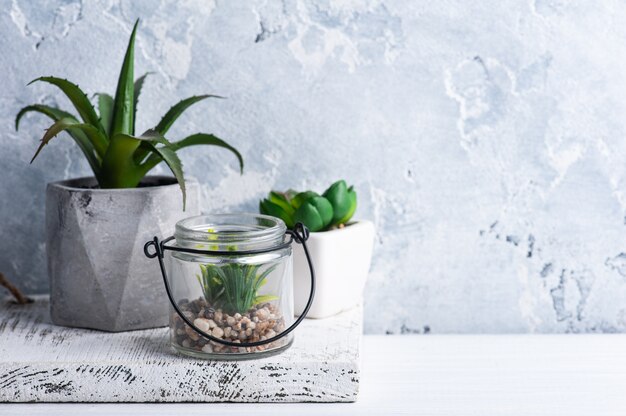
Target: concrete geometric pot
(99,275)
(342,260)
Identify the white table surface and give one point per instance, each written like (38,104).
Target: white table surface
(41,362)
(444,375)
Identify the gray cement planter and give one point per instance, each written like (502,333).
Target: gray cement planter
(99,276)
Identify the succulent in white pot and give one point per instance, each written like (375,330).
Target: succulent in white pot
(96,226)
(341,249)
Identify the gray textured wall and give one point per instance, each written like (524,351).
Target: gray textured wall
(485,139)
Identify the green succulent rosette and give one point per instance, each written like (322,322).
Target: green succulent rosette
(334,208)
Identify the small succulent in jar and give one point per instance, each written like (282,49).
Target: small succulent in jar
(234,287)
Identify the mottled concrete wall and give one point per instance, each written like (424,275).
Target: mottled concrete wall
(485,139)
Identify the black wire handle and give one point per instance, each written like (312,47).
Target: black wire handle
(299,234)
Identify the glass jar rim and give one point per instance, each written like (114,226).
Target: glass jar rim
(241,229)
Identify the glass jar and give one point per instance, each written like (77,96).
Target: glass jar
(230,285)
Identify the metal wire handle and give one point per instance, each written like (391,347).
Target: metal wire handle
(299,234)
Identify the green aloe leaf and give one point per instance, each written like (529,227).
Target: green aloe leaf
(119,169)
(52,112)
(123,109)
(96,136)
(168,154)
(193,140)
(77,97)
(93,154)
(137,90)
(78,135)
(207,139)
(173,113)
(105,107)
(142,153)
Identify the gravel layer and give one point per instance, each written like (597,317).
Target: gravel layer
(259,323)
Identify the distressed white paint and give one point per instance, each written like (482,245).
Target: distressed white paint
(486,139)
(444,375)
(44,363)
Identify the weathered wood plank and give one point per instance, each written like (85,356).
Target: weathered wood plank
(40,362)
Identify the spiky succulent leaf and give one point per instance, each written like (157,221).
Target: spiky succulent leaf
(105,107)
(173,113)
(193,140)
(52,112)
(123,109)
(120,163)
(119,169)
(176,166)
(137,90)
(77,97)
(168,155)
(97,139)
(78,135)
(143,153)
(207,139)
(144,150)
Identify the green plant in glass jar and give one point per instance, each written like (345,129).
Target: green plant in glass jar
(234,287)
(231,309)
(239,296)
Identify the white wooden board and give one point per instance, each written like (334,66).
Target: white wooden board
(505,375)
(40,362)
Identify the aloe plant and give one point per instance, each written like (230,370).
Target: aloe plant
(334,208)
(234,287)
(118,157)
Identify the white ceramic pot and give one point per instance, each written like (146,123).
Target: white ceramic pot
(342,260)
